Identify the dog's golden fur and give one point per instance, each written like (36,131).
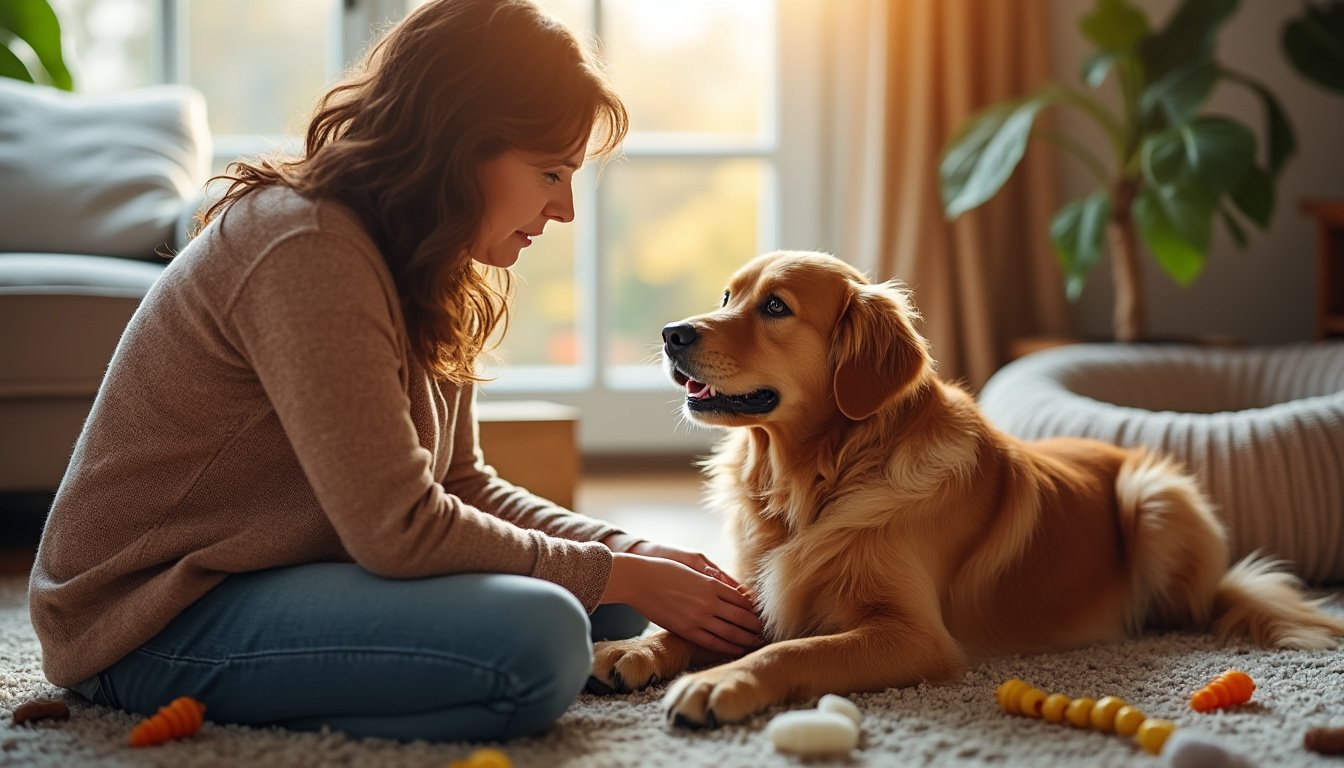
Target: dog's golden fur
(892,534)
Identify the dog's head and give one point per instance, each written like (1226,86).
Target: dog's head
(799,336)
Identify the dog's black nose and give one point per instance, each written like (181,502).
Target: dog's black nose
(678,335)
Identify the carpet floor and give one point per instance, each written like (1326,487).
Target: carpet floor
(949,725)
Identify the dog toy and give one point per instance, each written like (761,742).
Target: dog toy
(483,758)
(1191,749)
(1228,689)
(180,717)
(1326,741)
(41,709)
(1110,714)
(832,728)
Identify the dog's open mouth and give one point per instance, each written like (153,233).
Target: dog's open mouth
(703,398)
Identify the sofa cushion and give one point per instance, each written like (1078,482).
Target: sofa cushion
(61,316)
(106,175)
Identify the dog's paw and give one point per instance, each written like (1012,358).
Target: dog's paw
(715,697)
(622,666)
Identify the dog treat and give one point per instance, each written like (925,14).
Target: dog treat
(1192,749)
(1229,689)
(1326,741)
(485,757)
(1109,714)
(180,717)
(813,732)
(840,705)
(41,709)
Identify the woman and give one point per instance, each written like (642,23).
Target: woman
(277,504)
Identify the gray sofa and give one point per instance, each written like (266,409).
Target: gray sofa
(92,190)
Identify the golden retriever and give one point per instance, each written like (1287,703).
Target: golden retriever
(891,534)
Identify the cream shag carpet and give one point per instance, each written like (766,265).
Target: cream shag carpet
(927,725)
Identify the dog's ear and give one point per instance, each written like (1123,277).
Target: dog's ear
(877,354)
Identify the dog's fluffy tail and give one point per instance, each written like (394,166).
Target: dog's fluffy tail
(1258,599)
(1181,576)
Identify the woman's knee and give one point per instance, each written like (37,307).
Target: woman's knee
(554,657)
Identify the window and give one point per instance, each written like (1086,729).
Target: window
(721,163)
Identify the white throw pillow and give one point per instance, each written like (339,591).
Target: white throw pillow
(106,175)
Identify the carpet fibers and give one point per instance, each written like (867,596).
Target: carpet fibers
(927,725)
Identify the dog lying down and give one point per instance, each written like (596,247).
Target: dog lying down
(892,534)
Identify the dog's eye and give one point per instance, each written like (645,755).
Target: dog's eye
(776,308)
(725,299)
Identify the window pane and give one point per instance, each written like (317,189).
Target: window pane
(109,44)
(700,66)
(262,64)
(543,315)
(675,229)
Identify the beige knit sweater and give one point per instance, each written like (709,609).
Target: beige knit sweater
(263,410)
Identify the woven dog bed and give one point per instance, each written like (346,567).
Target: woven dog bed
(1263,427)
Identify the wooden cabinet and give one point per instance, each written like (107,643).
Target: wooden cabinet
(534,444)
(1329,215)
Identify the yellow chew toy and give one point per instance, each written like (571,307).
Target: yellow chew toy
(1109,714)
(483,758)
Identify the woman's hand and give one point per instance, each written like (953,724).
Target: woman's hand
(693,560)
(705,609)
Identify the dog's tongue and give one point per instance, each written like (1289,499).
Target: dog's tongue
(698,390)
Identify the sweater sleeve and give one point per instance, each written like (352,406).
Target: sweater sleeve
(316,319)
(472,479)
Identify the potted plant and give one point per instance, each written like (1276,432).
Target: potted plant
(33,22)
(1173,169)
(1313,41)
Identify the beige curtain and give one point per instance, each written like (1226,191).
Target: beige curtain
(907,74)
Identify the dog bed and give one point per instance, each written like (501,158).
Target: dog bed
(1263,427)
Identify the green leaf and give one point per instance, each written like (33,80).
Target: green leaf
(1115,25)
(1235,228)
(1314,43)
(1187,37)
(1254,196)
(1179,94)
(1282,141)
(979,160)
(13,67)
(1212,153)
(1078,233)
(1174,224)
(1095,68)
(34,22)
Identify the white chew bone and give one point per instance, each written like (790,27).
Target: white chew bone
(813,732)
(840,705)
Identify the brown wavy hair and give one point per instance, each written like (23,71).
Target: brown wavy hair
(401,141)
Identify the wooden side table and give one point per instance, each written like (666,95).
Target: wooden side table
(533,443)
(1329,215)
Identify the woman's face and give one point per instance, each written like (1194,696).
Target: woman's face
(523,192)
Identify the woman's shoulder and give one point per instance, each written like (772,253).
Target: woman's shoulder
(278,212)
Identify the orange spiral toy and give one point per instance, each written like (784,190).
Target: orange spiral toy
(1229,689)
(180,717)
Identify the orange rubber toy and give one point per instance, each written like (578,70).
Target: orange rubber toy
(180,717)
(1229,689)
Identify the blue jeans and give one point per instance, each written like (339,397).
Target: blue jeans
(474,657)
